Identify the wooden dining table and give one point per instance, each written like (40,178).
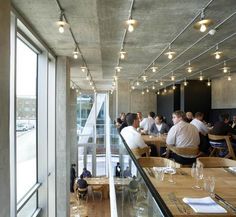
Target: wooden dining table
(157,140)
(173,193)
(104,181)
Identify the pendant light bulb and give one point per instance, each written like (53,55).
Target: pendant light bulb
(208,83)
(158,92)
(170,56)
(165,90)
(201,77)
(161,83)
(61,29)
(173,87)
(147,90)
(172,77)
(203,28)
(137,83)
(153,87)
(142,92)
(217,55)
(189,69)
(122,54)
(132,87)
(130,28)
(229,78)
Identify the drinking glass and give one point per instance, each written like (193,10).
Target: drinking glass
(209,185)
(159,173)
(197,173)
(171,170)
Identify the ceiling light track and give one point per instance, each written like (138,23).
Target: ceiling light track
(77,48)
(175,38)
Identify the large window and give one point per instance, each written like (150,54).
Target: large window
(26,119)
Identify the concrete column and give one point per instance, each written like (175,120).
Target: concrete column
(4,108)
(62,137)
(123,96)
(73,127)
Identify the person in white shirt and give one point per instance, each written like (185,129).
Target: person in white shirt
(132,137)
(130,134)
(146,123)
(182,134)
(198,123)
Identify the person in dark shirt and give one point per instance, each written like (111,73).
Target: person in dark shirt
(86,173)
(118,170)
(124,124)
(82,183)
(72,177)
(222,127)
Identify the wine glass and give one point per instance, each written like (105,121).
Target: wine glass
(198,175)
(209,185)
(171,170)
(193,170)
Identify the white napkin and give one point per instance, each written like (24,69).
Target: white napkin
(233,169)
(204,205)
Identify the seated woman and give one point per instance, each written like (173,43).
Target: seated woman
(159,126)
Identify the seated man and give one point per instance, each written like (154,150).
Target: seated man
(86,173)
(146,123)
(132,137)
(189,117)
(222,128)
(127,173)
(159,126)
(82,184)
(183,135)
(203,130)
(233,123)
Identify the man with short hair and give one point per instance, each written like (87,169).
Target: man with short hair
(183,135)
(146,123)
(86,173)
(233,123)
(130,134)
(189,117)
(132,137)
(198,123)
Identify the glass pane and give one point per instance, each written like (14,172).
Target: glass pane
(29,207)
(26,118)
(80,160)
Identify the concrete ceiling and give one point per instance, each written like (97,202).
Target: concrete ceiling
(98,26)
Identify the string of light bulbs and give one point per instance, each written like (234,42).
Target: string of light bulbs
(62,23)
(189,68)
(168,47)
(75,87)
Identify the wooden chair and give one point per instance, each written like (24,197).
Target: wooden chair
(155,162)
(215,162)
(187,151)
(216,149)
(98,189)
(138,152)
(82,193)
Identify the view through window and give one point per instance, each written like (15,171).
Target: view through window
(26,122)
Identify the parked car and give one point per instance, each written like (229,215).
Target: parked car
(22,127)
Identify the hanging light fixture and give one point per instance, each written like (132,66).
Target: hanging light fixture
(118,68)
(83,68)
(170,53)
(190,68)
(90,83)
(225,68)
(132,87)
(203,23)
(142,92)
(76,52)
(61,22)
(153,68)
(137,83)
(144,78)
(217,53)
(131,23)
(208,82)
(158,92)
(201,76)
(173,87)
(147,90)
(172,77)
(77,91)
(153,87)
(185,82)
(229,77)
(161,83)
(115,77)
(87,77)
(122,54)
(165,90)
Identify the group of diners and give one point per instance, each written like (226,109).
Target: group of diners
(187,131)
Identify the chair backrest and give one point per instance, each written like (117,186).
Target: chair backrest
(155,162)
(82,189)
(191,151)
(228,143)
(215,162)
(138,152)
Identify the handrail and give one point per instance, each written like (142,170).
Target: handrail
(160,202)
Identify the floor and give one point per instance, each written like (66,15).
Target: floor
(96,208)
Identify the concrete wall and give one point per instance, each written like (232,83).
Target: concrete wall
(62,137)
(133,101)
(73,127)
(223,93)
(4,108)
